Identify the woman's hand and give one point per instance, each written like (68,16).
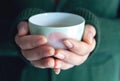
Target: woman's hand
(78,51)
(34,47)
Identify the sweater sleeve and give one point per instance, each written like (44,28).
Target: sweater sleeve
(23,16)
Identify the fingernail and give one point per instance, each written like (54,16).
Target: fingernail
(68,44)
(57,70)
(60,56)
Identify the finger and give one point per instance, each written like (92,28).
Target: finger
(70,57)
(57,70)
(89,34)
(77,47)
(30,41)
(85,46)
(38,53)
(59,64)
(22,28)
(44,63)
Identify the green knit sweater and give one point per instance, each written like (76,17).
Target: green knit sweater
(104,62)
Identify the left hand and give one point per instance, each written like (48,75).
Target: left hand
(78,51)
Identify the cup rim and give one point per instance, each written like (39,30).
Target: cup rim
(47,13)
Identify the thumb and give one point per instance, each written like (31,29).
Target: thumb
(22,28)
(89,34)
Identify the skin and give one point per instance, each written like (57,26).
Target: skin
(35,49)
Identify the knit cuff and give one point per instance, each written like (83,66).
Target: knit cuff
(23,16)
(90,18)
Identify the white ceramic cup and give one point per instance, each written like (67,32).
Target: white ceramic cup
(56,26)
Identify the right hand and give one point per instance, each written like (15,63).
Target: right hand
(34,47)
